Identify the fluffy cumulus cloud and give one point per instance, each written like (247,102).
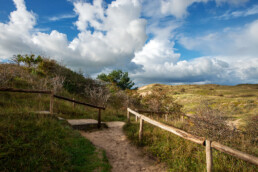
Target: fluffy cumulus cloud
(216,69)
(15,35)
(234,58)
(114,36)
(231,41)
(109,36)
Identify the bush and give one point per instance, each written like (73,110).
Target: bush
(158,101)
(210,123)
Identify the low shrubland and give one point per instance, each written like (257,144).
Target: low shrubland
(212,111)
(207,121)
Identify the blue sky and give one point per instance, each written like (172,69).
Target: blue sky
(159,41)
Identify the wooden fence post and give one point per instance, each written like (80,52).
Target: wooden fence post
(208,155)
(166,117)
(182,118)
(51,107)
(99,119)
(141,129)
(128,116)
(73,104)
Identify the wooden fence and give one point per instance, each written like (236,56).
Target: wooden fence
(52,96)
(199,140)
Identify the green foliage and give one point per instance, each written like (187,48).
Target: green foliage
(73,82)
(119,78)
(180,154)
(30,142)
(29,60)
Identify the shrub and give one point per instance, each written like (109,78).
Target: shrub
(210,123)
(158,101)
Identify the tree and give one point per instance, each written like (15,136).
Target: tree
(29,59)
(18,59)
(119,78)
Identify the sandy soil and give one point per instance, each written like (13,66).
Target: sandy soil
(123,156)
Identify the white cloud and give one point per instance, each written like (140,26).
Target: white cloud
(234,59)
(156,52)
(161,64)
(15,35)
(118,41)
(89,14)
(231,2)
(118,33)
(234,14)
(200,70)
(177,8)
(61,17)
(231,41)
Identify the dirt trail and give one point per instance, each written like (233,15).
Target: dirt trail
(121,154)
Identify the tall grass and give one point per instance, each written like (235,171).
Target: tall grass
(33,142)
(38,142)
(180,154)
(24,102)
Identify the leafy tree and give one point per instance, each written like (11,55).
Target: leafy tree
(18,59)
(29,59)
(38,60)
(117,77)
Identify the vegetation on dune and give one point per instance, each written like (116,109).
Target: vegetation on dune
(236,102)
(207,120)
(33,142)
(180,154)
(214,112)
(38,142)
(119,78)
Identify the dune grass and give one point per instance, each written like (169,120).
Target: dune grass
(36,142)
(180,154)
(237,102)
(40,142)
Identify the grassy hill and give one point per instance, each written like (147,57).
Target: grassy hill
(37,141)
(237,102)
(40,142)
(211,109)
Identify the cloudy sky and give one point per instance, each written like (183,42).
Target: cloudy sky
(156,41)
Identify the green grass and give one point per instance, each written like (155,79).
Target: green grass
(180,154)
(239,102)
(32,142)
(23,102)
(37,142)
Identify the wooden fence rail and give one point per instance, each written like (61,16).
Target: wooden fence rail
(52,96)
(78,102)
(199,140)
(25,91)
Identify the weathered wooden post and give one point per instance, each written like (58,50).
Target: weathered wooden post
(99,118)
(166,117)
(208,155)
(136,118)
(182,118)
(73,104)
(128,116)
(51,107)
(141,129)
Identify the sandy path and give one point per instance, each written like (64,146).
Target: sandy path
(121,154)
